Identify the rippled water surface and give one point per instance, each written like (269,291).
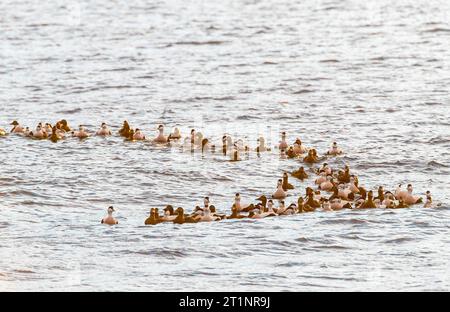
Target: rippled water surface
(373,76)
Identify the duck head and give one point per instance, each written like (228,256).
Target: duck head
(110,210)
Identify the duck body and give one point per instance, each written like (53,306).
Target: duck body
(300,174)
(109,219)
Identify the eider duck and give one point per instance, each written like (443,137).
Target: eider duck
(334,150)
(109,219)
(125,130)
(81,133)
(104,130)
(286,185)
(16,127)
(283,144)
(161,138)
(279,193)
(300,174)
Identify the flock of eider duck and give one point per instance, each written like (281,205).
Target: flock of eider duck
(334,189)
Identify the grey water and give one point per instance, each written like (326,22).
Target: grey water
(372,75)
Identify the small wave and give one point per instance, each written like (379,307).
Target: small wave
(399,240)
(344,221)
(436,164)
(330,247)
(269,63)
(436,30)
(118,69)
(329,61)
(197,43)
(70,111)
(303,91)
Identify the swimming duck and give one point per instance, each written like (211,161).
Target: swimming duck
(47,128)
(109,219)
(411,199)
(401,204)
(283,154)
(321,179)
(310,158)
(326,206)
(176,134)
(286,185)
(311,202)
(161,138)
(283,144)
(400,193)
(169,214)
(334,150)
(125,130)
(270,208)
(235,214)
(429,202)
(325,168)
(327,185)
(138,135)
(208,216)
(63,125)
(353,187)
(344,176)
(261,145)
(300,174)
(345,193)
(300,204)
(299,148)
(279,193)
(290,152)
(104,130)
(81,133)
(16,127)
(235,155)
(338,204)
(241,207)
(389,200)
(213,211)
(369,202)
(39,133)
(263,200)
(281,208)
(54,136)
(153,217)
(182,218)
(263,213)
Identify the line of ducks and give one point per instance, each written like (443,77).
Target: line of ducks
(194,142)
(343,187)
(336,190)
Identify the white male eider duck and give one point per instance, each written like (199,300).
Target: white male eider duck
(334,150)
(161,138)
(81,133)
(109,219)
(104,130)
(279,193)
(283,144)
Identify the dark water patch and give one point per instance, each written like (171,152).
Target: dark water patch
(269,63)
